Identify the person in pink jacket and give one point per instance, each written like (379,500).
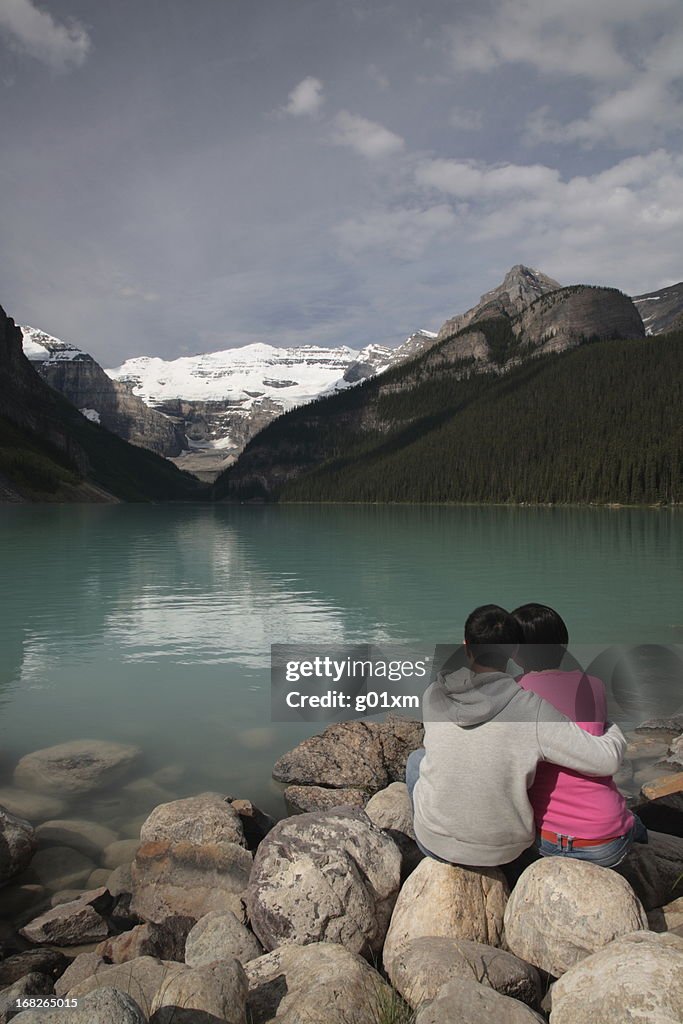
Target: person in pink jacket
(576,815)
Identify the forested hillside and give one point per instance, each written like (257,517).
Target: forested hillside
(599,423)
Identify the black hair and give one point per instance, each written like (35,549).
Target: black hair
(492,635)
(545,637)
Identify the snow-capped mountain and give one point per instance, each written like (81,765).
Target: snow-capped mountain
(201,410)
(248,374)
(40,347)
(661,310)
(81,380)
(221,399)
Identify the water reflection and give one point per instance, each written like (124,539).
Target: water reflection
(155,623)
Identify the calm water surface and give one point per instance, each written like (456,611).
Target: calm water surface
(154,624)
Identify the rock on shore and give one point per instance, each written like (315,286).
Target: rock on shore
(446,900)
(637,979)
(562,910)
(324,877)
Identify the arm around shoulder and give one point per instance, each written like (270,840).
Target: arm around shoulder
(565,743)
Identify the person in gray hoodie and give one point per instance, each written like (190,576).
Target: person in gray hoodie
(484,737)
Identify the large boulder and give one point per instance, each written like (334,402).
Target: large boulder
(183,879)
(446,900)
(102,1006)
(219,935)
(80,766)
(17,845)
(318,984)
(464,1001)
(72,924)
(203,995)
(86,836)
(637,979)
(348,755)
(329,877)
(352,755)
(562,910)
(654,870)
(423,966)
(207,818)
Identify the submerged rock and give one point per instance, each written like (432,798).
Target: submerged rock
(60,867)
(17,845)
(85,836)
(637,978)
(328,877)
(80,766)
(120,853)
(562,910)
(446,900)
(31,806)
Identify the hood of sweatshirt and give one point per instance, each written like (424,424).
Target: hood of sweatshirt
(469,699)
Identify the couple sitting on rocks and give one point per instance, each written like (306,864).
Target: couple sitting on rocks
(510,763)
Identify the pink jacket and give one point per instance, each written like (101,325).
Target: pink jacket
(565,801)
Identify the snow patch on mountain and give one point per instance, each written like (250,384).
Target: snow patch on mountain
(248,374)
(41,347)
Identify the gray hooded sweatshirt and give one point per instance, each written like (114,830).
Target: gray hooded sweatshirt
(484,736)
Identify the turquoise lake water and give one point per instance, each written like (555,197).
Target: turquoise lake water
(153,624)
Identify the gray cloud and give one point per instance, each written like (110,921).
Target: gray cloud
(190,190)
(36,33)
(305,98)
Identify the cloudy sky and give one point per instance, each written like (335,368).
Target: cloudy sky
(188,175)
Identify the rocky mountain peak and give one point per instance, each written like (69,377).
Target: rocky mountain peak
(520,287)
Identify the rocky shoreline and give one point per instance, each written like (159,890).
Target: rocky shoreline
(213,912)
